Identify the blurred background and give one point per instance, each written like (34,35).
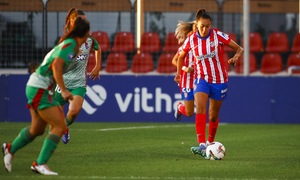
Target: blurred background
(137,42)
(30,28)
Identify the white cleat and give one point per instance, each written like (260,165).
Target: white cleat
(42,169)
(7,156)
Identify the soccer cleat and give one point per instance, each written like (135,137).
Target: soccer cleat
(201,150)
(178,114)
(42,169)
(66,137)
(208,143)
(7,156)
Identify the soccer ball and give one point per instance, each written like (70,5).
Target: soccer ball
(215,151)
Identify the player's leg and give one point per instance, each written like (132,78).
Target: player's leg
(55,117)
(74,109)
(28,134)
(200,121)
(219,93)
(187,108)
(202,91)
(25,136)
(214,109)
(201,117)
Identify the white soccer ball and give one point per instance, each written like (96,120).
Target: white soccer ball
(215,151)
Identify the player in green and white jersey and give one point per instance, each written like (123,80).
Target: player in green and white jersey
(44,108)
(76,79)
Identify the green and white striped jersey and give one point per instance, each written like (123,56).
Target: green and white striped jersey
(77,77)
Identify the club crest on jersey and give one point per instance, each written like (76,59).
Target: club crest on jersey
(70,56)
(86,45)
(212,44)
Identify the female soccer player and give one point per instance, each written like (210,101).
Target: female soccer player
(44,108)
(183,30)
(75,79)
(210,75)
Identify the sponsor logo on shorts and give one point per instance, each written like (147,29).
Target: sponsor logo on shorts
(224,91)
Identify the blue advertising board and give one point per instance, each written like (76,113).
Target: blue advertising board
(153,98)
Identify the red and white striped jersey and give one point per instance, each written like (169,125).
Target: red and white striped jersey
(208,53)
(187,79)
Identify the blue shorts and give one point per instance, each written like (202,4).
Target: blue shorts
(217,92)
(187,94)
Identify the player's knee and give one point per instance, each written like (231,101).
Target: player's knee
(213,118)
(64,128)
(74,112)
(189,113)
(36,132)
(61,129)
(201,111)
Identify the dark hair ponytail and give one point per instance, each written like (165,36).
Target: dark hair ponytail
(80,12)
(73,13)
(79,29)
(201,13)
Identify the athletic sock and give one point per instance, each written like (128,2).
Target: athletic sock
(48,148)
(213,126)
(68,122)
(182,109)
(201,127)
(23,138)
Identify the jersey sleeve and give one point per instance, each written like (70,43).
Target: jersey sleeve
(186,45)
(179,51)
(95,44)
(224,38)
(67,50)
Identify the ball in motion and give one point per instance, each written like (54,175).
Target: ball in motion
(215,151)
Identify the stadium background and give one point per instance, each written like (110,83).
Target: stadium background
(28,30)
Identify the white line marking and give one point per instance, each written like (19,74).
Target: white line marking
(129,177)
(130,128)
(137,127)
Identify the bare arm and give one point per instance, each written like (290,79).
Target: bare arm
(179,67)
(57,67)
(238,54)
(175,60)
(95,72)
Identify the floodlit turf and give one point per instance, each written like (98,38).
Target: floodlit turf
(161,151)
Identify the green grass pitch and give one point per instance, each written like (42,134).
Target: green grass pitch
(152,151)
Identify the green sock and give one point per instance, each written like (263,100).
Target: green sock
(48,148)
(21,140)
(68,122)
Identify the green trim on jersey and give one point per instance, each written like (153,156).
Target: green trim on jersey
(43,77)
(95,44)
(65,50)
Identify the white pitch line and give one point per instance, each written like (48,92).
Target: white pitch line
(128,177)
(130,128)
(140,127)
